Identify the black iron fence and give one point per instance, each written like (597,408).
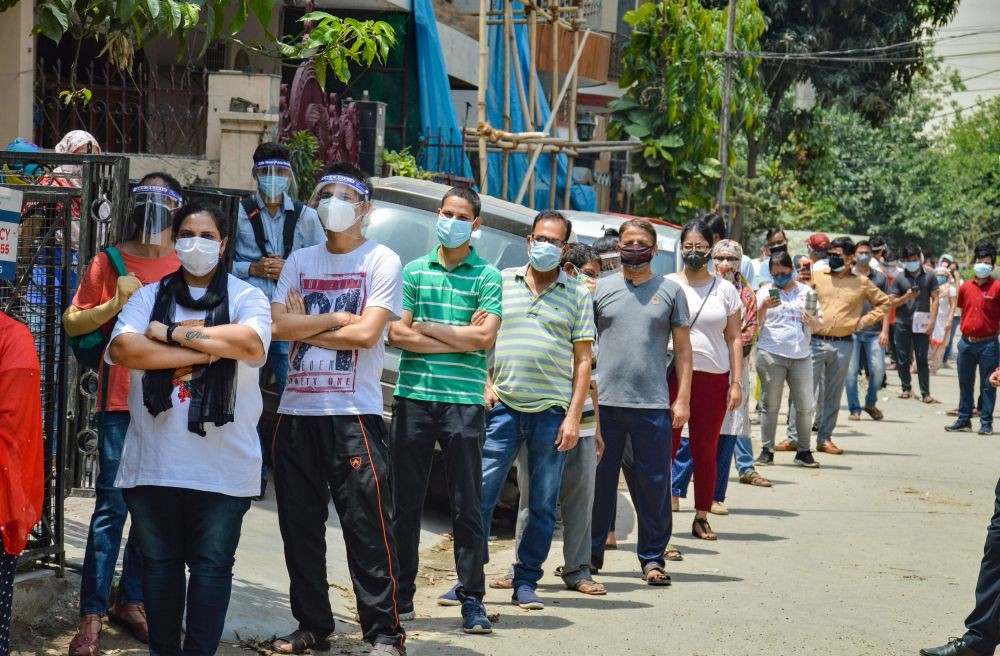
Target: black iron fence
(72,205)
(443,153)
(159,110)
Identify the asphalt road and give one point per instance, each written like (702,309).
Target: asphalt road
(876,552)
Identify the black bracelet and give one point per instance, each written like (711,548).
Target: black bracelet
(170,334)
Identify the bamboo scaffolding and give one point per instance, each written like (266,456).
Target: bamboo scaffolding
(535,139)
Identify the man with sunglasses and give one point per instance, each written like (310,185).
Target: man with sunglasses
(271,226)
(451,314)
(541,377)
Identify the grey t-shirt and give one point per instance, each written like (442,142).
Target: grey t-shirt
(633,327)
(881,281)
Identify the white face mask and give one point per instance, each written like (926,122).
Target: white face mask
(198,255)
(337,215)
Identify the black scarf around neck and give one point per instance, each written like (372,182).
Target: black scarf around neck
(212,386)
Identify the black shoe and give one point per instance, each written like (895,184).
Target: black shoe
(960,427)
(765,458)
(815,428)
(955,647)
(985,430)
(805,459)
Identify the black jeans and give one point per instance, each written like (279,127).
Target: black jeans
(910,345)
(345,457)
(983,623)
(460,429)
(177,527)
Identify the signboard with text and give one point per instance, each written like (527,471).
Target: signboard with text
(10,219)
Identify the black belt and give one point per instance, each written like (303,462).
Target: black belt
(831,338)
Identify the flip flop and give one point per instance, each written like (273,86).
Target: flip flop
(673,553)
(586,587)
(656,576)
(502,583)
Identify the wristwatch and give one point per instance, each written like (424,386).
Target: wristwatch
(170,334)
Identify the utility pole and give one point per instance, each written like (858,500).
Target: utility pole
(727,92)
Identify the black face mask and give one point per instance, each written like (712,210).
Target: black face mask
(695,259)
(778,249)
(636,256)
(836,263)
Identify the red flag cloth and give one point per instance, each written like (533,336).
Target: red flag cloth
(22,476)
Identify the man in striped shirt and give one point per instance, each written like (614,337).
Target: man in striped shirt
(541,379)
(451,313)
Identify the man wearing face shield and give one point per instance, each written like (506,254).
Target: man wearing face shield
(333,300)
(271,226)
(147,256)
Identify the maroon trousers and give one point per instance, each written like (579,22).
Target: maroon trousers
(709,393)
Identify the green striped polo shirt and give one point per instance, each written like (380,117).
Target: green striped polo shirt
(533,363)
(435,294)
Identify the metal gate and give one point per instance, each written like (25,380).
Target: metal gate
(72,206)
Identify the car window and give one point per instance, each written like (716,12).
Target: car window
(663,263)
(411,233)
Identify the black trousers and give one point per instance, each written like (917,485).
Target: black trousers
(910,346)
(983,623)
(460,429)
(345,457)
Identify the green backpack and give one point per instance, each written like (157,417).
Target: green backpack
(89,349)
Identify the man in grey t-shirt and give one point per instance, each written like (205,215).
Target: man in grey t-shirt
(637,314)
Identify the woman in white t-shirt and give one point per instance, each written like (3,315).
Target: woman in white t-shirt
(191,460)
(716,382)
(784,355)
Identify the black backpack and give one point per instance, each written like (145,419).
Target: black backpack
(252,211)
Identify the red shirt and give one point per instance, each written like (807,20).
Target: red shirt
(21,471)
(99,285)
(980,305)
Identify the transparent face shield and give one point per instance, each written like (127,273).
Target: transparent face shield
(341,203)
(610,262)
(274,178)
(152,213)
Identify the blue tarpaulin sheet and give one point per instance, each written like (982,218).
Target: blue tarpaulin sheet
(582,197)
(438,122)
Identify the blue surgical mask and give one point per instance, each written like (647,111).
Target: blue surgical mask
(982,269)
(911,267)
(942,279)
(272,186)
(544,256)
(452,233)
(782,279)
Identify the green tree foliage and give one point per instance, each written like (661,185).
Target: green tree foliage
(674,99)
(124,26)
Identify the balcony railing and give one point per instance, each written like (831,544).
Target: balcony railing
(157,110)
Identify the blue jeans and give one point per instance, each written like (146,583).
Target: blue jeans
(106,525)
(178,527)
(683,468)
(506,431)
(649,431)
(984,356)
(865,346)
(744,455)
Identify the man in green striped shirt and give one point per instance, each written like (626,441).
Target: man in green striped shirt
(541,378)
(451,313)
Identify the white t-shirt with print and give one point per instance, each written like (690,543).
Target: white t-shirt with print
(710,353)
(161,450)
(327,382)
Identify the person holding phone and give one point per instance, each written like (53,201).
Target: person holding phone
(915,296)
(784,356)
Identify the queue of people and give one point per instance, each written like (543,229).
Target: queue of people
(599,365)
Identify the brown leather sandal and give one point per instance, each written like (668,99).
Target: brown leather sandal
(131,617)
(87,641)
